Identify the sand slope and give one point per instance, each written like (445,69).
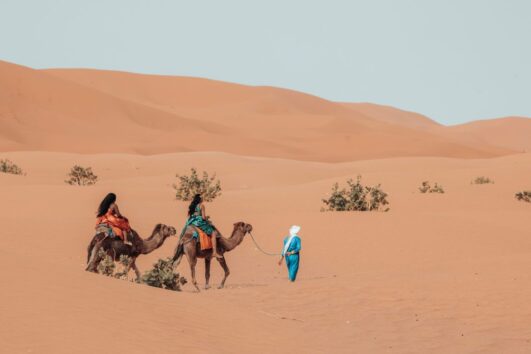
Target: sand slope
(439,273)
(72,110)
(442,273)
(510,132)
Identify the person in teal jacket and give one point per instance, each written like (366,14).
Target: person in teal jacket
(291,251)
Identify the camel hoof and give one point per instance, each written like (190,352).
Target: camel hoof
(207,287)
(221,286)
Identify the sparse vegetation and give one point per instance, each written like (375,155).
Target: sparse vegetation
(524,196)
(106,266)
(163,276)
(7,166)
(356,197)
(125,262)
(81,176)
(191,185)
(482,180)
(427,188)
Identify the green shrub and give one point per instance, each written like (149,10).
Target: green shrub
(427,188)
(81,176)
(7,166)
(356,198)
(163,276)
(124,262)
(524,196)
(191,185)
(482,180)
(106,266)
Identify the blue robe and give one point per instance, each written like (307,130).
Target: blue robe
(292,261)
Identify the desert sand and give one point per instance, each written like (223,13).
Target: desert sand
(438,273)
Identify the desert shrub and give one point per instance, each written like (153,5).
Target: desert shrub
(106,266)
(437,188)
(7,166)
(356,197)
(426,187)
(163,276)
(188,186)
(482,180)
(81,176)
(524,196)
(124,262)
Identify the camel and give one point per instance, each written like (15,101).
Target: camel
(115,247)
(190,246)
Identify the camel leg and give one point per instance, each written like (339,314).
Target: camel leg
(207,272)
(192,261)
(137,271)
(128,268)
(223,264)
(95,259)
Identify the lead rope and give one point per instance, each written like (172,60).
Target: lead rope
(261,250)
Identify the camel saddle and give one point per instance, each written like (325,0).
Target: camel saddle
(205,242)
(105,229)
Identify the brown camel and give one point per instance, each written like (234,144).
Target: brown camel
(115,247)
(190,246)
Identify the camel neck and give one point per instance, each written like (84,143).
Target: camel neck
(234,240)
(152,243)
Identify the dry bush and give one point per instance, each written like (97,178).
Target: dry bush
(81,176)
(191,185)
(427,188)
(524,196)
(482,180)
(124,262)
(356,198)
(7,166)
(163,276)
(106,266)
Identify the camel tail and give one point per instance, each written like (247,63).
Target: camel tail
(178,256)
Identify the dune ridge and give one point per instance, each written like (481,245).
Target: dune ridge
(72,110)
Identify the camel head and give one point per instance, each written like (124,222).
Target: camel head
(243,227)
(165,230)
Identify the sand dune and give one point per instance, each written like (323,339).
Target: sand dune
(70,110)
(393,115)
(440,273)
(510,132)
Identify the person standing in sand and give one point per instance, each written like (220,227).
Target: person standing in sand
(291,251)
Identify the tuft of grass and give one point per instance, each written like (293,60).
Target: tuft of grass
(356,197)
(426,187)
(482,180)
(8,166)
(524,196)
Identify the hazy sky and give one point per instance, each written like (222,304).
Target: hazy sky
(453,60)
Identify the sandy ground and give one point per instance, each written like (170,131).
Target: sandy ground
(442,273)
